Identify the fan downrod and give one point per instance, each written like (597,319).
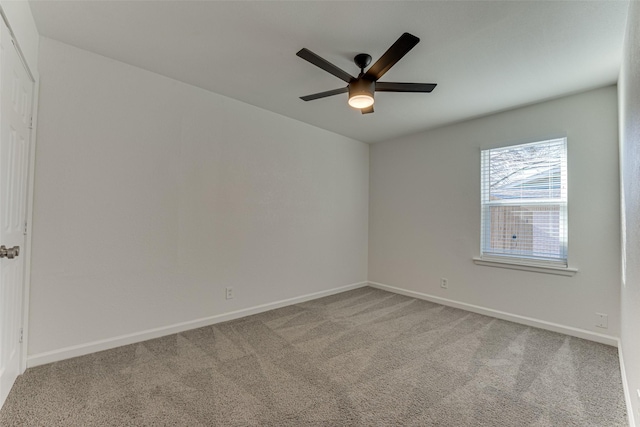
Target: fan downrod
(362,60)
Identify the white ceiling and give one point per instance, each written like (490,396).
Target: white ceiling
(485,56)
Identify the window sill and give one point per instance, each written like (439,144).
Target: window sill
(562,271)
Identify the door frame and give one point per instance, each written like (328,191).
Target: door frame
(26,285)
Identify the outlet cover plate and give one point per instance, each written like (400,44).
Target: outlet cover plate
(602,320)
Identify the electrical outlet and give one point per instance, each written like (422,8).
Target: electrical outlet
(602,320)
(229,293)
(444,283)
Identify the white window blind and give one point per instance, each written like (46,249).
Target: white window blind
(524,202)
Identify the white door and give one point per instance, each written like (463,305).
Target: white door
(16,89)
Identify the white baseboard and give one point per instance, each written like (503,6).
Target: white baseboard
(625,388)
(529,321)
(106,344)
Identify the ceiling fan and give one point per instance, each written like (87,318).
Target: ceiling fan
(362,88)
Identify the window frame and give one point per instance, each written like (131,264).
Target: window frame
(520,261)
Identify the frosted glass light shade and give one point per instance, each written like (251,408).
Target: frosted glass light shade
(361,101)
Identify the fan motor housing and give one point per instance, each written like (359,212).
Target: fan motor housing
(362,87)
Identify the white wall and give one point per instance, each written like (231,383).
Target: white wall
(152,196)
(629,96)
(424,213)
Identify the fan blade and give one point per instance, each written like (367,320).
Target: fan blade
(367,110)
(307,55)
(404,87)
(404,44)
(325,94)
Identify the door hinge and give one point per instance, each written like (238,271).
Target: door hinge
(31,122)
(21,335)
(25,228)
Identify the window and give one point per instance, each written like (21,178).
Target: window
(524,203)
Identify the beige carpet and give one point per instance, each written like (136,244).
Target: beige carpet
(361,358)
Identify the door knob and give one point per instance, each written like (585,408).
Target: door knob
(10,253)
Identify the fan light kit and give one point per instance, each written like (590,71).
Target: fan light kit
(362,88)
(361,94)
(361,101)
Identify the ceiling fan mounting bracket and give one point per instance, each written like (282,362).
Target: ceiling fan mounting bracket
(362,60)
